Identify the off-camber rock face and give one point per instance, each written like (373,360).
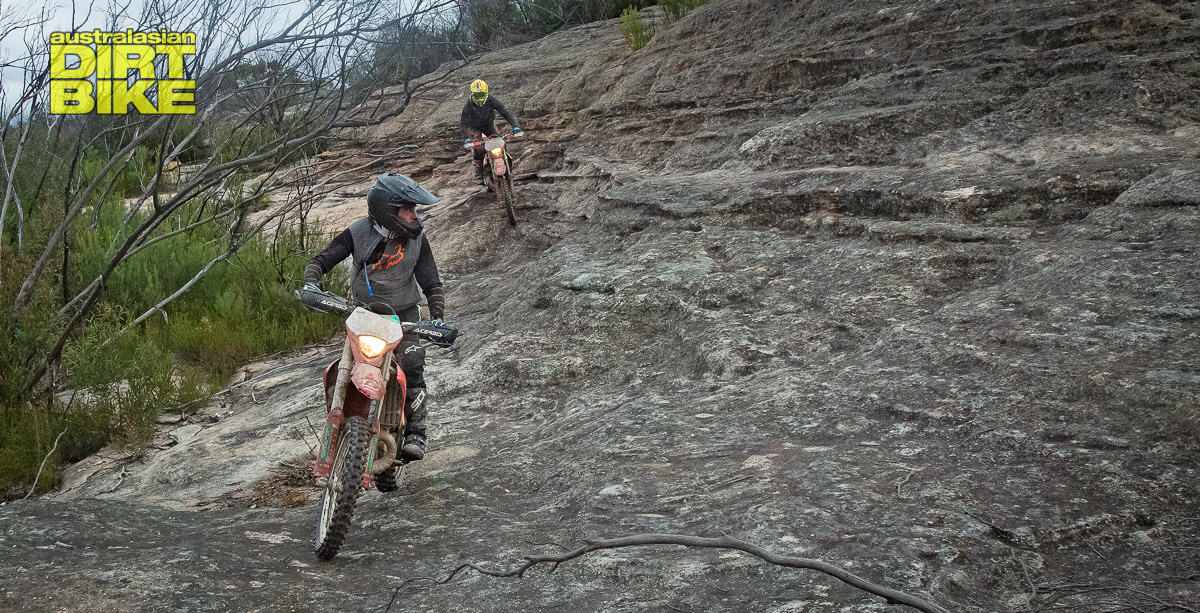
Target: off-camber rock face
(908,287)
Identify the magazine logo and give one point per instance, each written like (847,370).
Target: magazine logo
(107,72)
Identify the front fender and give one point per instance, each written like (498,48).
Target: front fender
(368,380)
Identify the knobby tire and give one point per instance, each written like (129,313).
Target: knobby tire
(389,480)
(506,196)
(348,466)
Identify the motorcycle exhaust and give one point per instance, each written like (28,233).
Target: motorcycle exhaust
(385,452)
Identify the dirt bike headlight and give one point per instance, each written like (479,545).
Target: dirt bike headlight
(496,152)
(371,346)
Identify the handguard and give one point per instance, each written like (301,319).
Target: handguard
(442,336)
(324,302)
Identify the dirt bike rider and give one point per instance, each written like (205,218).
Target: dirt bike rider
(479,117)
(392,266)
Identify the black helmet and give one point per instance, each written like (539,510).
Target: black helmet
(390,192)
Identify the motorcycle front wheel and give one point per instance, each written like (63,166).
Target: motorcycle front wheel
(506,195)
(341,492)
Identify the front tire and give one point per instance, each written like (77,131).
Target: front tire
(506,195)
(341,492)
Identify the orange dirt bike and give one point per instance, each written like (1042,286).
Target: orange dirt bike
(498,165)
(364,401)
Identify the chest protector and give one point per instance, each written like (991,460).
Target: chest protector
(389,280)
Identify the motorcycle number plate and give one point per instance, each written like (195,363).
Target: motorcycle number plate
(500,168)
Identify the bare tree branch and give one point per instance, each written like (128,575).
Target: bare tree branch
(168,299)
(26,290)
(316,75)
(39,472)
(1083,595)
(723,542)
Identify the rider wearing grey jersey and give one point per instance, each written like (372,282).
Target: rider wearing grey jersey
(391,268)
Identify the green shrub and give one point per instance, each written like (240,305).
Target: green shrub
(242,308)
(636,32)
(674,10)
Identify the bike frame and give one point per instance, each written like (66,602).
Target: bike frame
(499,162)
(356,385)
(361,410)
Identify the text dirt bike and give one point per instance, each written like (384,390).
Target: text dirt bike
(364,401)
(498,166)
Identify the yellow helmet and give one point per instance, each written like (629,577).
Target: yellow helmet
(479,91)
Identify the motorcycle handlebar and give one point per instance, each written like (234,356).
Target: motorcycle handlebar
(328,302)
(477,143)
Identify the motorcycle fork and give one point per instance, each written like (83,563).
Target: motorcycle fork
(490,166)
(335,416)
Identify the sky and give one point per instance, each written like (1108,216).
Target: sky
(61,15)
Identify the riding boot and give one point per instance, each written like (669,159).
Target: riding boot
(414,442)
(413,448)
(479,178)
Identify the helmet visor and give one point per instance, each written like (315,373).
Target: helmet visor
(479,97)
